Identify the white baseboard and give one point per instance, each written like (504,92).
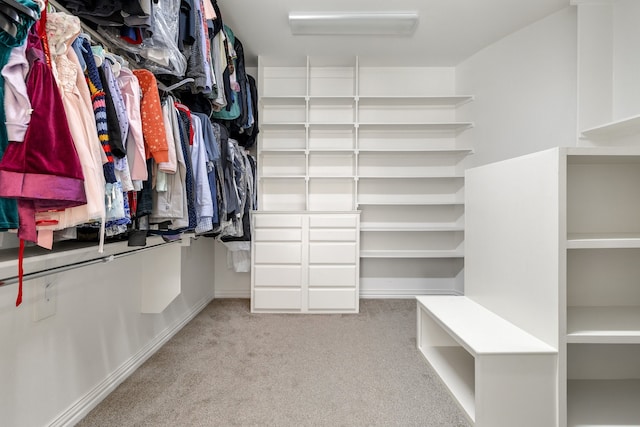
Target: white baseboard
(84,405)
(244,294)
(364,294)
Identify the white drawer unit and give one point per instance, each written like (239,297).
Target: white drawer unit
(305,262)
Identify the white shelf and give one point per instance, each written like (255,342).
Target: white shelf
(603,240)
(335,125)
(453,253)
(600,403)
(329,99)
(423,175)
(282,150)
(453,101)
(386,226)
(455,151)
(438,126)
(331,150)
(282,100)
(624,127)
(415,199)
(330,124)
(282,125)
(263,177)
(603,155)
(334,176)
(604,325)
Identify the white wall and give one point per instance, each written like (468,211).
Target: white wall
(229,284)
(53,371)
(525,89)
(626,61)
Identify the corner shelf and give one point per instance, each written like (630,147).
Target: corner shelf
(618,128)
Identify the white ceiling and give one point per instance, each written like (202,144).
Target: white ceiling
(448,31)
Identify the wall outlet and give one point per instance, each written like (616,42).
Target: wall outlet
(46,297)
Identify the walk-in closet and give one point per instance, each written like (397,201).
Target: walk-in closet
(282,213)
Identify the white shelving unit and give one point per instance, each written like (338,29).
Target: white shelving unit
(337,137)
(552,247)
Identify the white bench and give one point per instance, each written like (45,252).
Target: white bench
(500,375)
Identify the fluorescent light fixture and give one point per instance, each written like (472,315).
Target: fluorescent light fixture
(353,23)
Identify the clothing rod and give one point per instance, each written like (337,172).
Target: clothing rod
(29,276)
(94,34)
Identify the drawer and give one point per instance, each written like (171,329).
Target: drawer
(277,220)
(337,221)
(332,253)
(332,235)
(332,275)
(277,253)
(332,299)
(277,299)
(277,275)
(277,234)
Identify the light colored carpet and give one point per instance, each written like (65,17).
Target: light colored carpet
(229,367)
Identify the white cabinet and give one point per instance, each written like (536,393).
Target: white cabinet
(344,134)
(553,246)
(305,262)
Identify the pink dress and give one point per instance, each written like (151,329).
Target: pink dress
(43,172)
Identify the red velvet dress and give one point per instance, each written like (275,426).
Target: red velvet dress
(43,172)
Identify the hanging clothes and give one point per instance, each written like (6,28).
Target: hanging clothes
(213,157)
(170,205)
(151,111)
(199,160)
(131,93)
(9,207)
(62,29)
(189,183)
(44,171)
(92,77)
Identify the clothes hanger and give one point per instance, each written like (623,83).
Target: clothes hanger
(115,64)
(10,12)
(98,54)
(22,9)
(8,26)
(174,86)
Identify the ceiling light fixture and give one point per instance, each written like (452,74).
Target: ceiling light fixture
(353,23)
